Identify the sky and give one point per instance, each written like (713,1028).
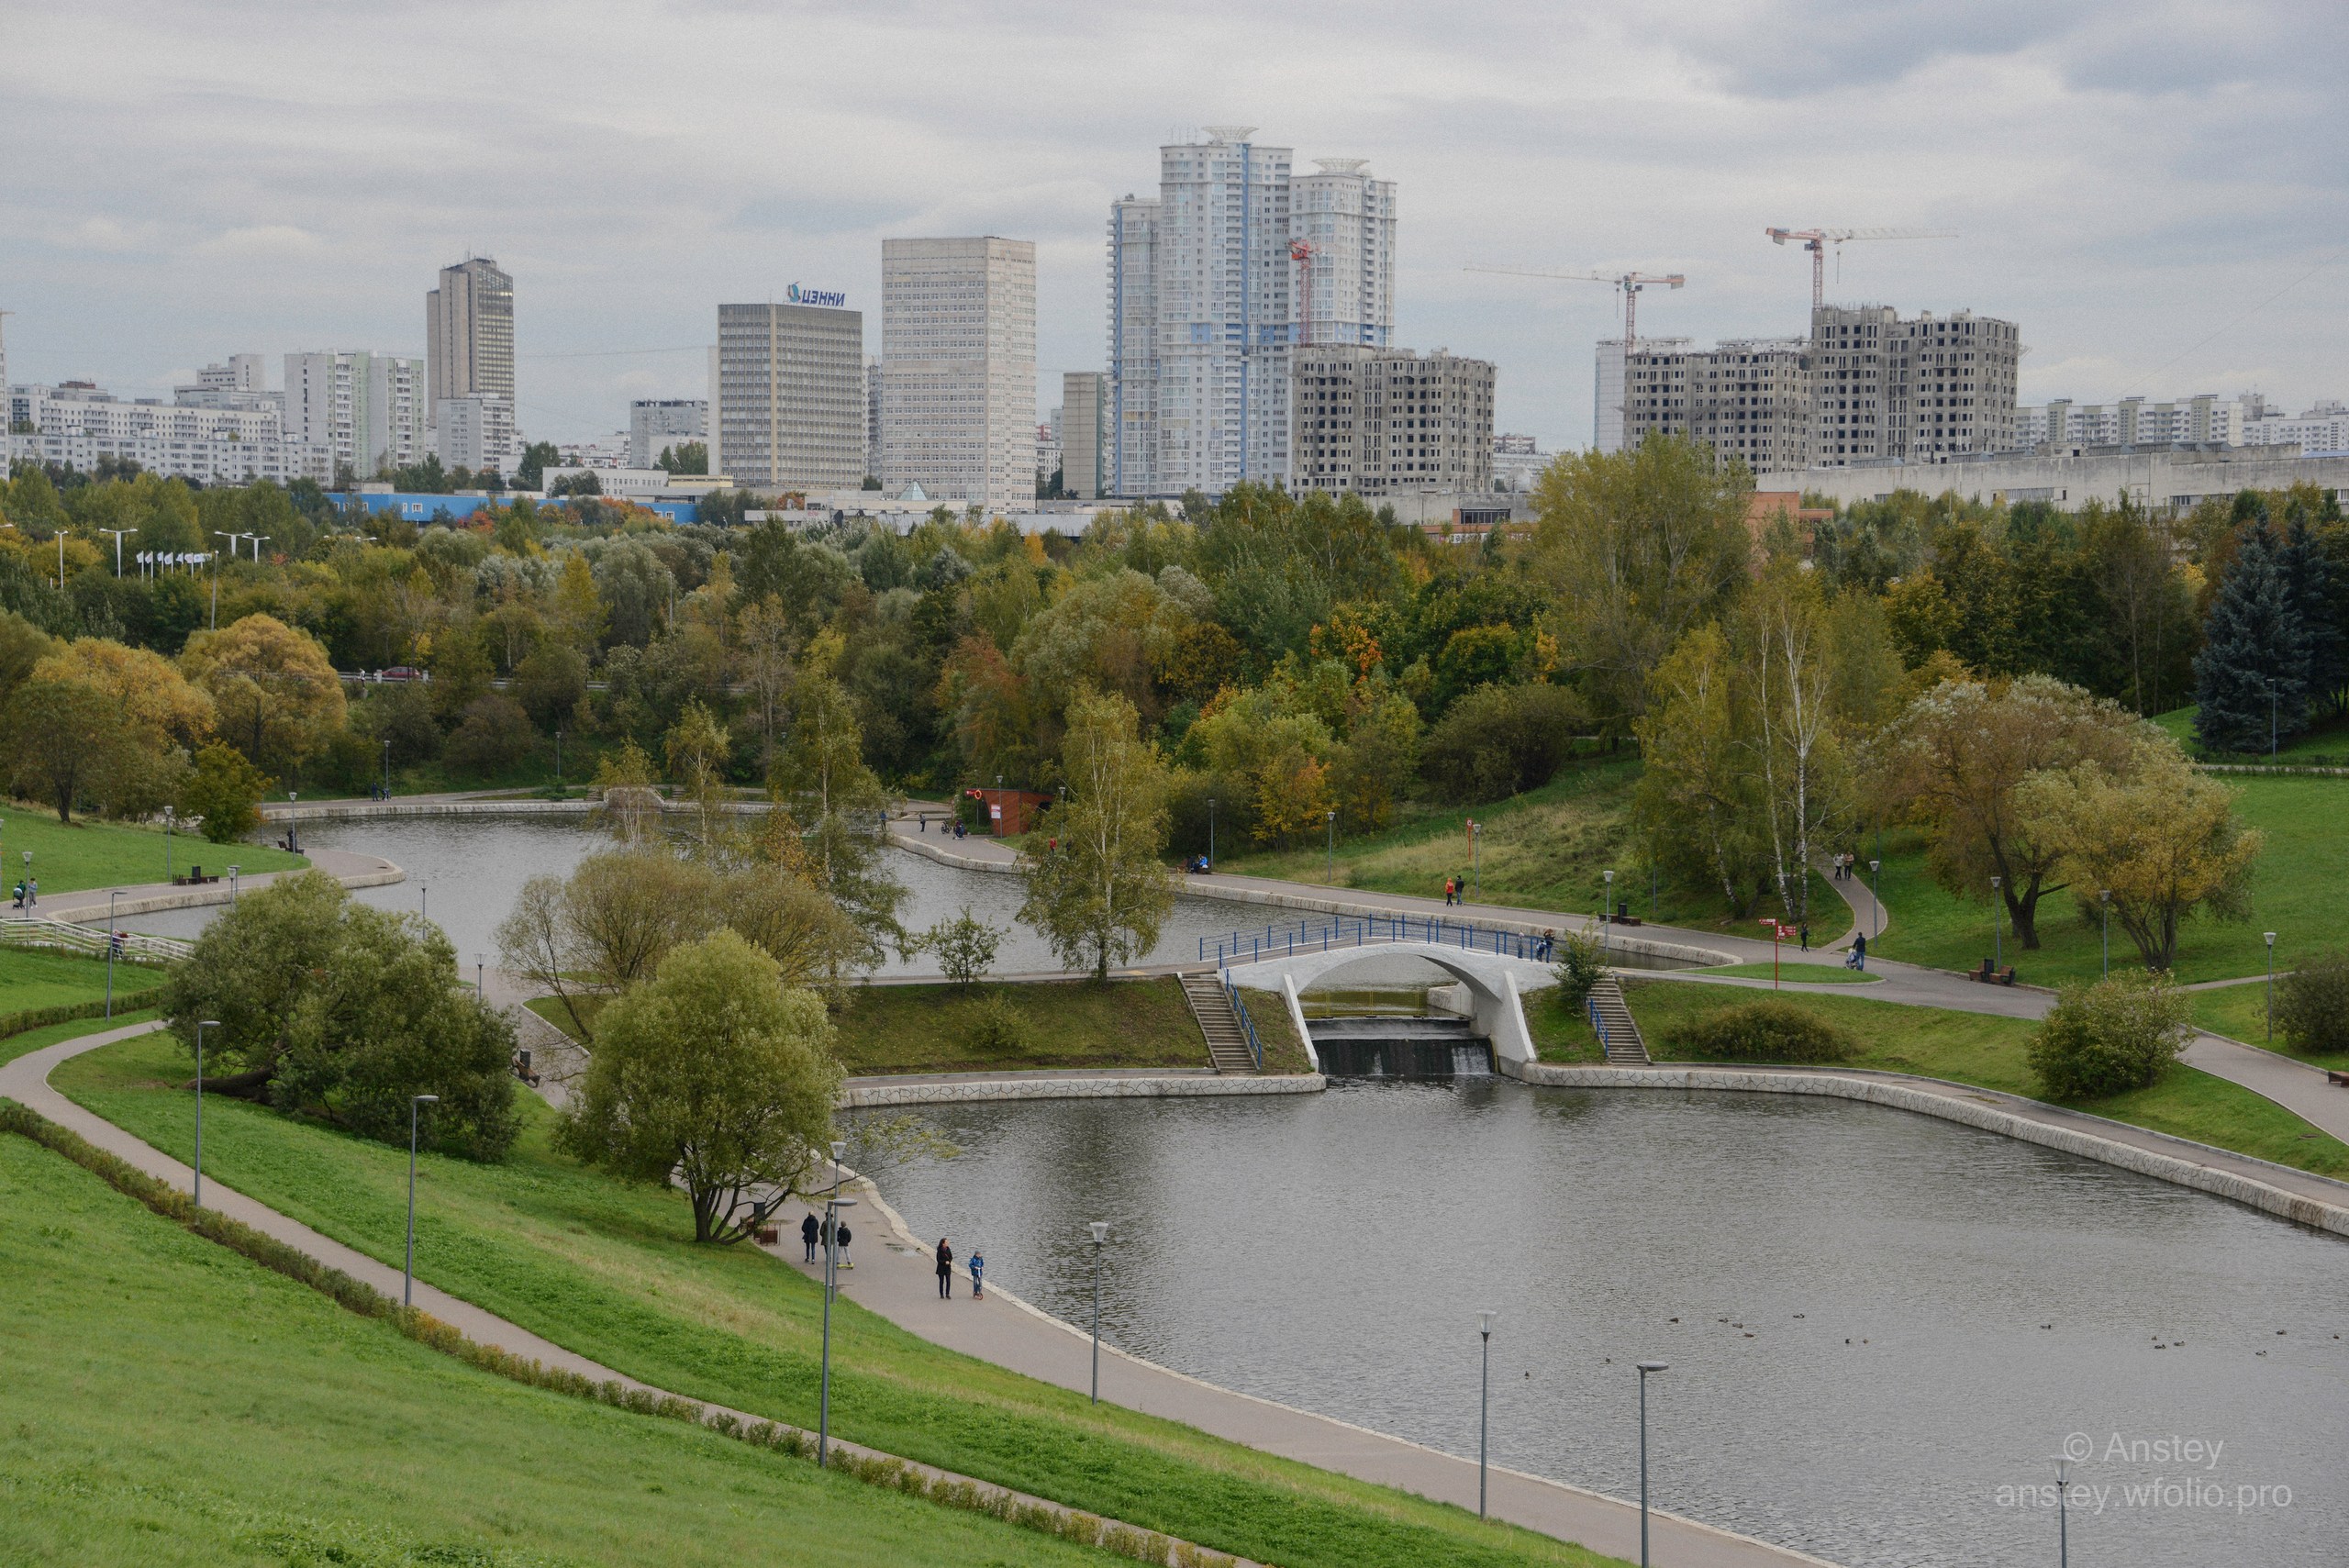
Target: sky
(2154,190)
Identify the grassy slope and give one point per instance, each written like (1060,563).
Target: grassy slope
(15,1045)
(2294,892)
(2329,741)
(1974,1048)
(604,1268)
(2240,1012)
(1546,849)
(168,1402)
(30,978)
(115,855)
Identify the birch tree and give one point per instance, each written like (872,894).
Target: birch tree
(1100,892)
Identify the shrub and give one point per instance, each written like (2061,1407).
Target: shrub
(224,792)
(2312,1003)
(997,1027)
(1500,740)
(1765,1031)
(1580,964)
(2115,1035)
(965,946)
(495,735)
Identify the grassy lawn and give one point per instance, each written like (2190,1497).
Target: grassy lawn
(605,1268)
(2240,1012)
(170,1403)
(15,1045)
(2294,892)
(1562,1035)
(2326,744)
(31,978)
(115,855)
(1547,849)
(1794,974)
(1974,1048)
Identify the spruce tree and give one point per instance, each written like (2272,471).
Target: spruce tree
(2308,578)
(2253,652)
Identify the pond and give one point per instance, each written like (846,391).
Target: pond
(465,872)
(1875,1321)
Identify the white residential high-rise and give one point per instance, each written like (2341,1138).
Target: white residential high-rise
(1344,222)
(1132,418)
(787,394)
(656,422)
(469,332)
(958,369)
(477,433)
(358,408)
(1220,322)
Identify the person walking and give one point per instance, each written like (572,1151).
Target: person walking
(1860,952)
(1806,936)
(811,1231)
(1447,893)
(842,1235)
(945,1270)
(978,1276)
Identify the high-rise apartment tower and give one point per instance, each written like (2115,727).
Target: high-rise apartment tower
(469,333)
(958,369)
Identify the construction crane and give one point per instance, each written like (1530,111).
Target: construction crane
(1816,241)
(1301,253)
(1630,283)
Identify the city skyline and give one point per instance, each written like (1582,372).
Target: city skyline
(2159,221)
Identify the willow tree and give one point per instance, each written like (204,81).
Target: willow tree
(1098,891)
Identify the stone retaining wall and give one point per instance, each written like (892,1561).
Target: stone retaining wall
(858,1096)
(2181,1168)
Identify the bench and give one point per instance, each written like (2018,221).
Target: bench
(2332,1077)
(1989,975)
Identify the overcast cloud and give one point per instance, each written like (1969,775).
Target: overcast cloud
(182,182)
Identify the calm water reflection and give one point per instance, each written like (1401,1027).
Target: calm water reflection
(1858,1361)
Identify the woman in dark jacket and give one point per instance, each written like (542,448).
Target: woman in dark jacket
(945,1269)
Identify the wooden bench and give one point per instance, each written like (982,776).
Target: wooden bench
(1989,975)
(2332,1077)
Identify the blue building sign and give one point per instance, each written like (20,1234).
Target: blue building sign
(833,298)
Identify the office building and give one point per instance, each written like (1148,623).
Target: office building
(1201,319)
(656,422)
(788,404)
(1384,421)
(78,424)
(476,434)
(1083,432)
(469,332)
(958,369)
(873,420)
(1343,222)
(356,409)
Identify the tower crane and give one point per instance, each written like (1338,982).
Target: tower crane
(1301,253)
(1816,241)
(1630,283)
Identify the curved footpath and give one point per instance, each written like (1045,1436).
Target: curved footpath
(897,1282)
(89,905)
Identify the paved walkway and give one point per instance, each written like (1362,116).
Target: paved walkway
(90,903)
(898,1279)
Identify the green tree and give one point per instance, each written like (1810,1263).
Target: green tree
(1100,897)
(608,925)
(537,457)
(2109,1037)
(224,792)
(64,737)
(714,1075)
(965,946)
(685,457)
(823,777)
(250,969)
(2251,673)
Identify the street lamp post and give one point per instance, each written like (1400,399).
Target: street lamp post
(2104,896)
(207,1024)
(113,893)
(1330,859)
(558,762)
(232,887)
(407,1271)
(1484,1403)
(1997,952)
(387,770)
(424,899)
(1606,911)
(1645,1368)
(1100,1229)
(1875,894)
(168,812)
(1210,835)
(481,969)
(31,901)
(2271,986)
(2063,1515)
(832,1206)
(1475,867)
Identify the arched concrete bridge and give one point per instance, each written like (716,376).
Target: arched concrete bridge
(1494,983)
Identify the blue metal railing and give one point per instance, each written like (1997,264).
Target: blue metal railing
(1598,1021)
(1320,933)
(1255,1047)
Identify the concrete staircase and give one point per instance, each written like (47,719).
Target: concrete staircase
(1624,1046)
(1220,1021)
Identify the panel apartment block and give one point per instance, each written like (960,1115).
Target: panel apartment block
(1380,421)
(787,405)
(958,369)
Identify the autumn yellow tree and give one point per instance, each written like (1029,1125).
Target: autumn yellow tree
(1100,894)
(277,697)
(2160,837)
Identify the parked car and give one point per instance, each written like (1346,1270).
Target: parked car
(403,672)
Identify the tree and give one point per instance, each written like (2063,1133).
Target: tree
(461,671)
(2110,1036)
(609,924)
(537,457)
(2161,837)
(823,779)
(714,1075)
(1955,759)
(224,792)
(1794,746)
(1636,546)
(578,609)
(965,946)
(248,969)
(276,693)
(62,736)
(1695,796)
(685,457)
(2251,678)
(494,736)
(1099,897)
